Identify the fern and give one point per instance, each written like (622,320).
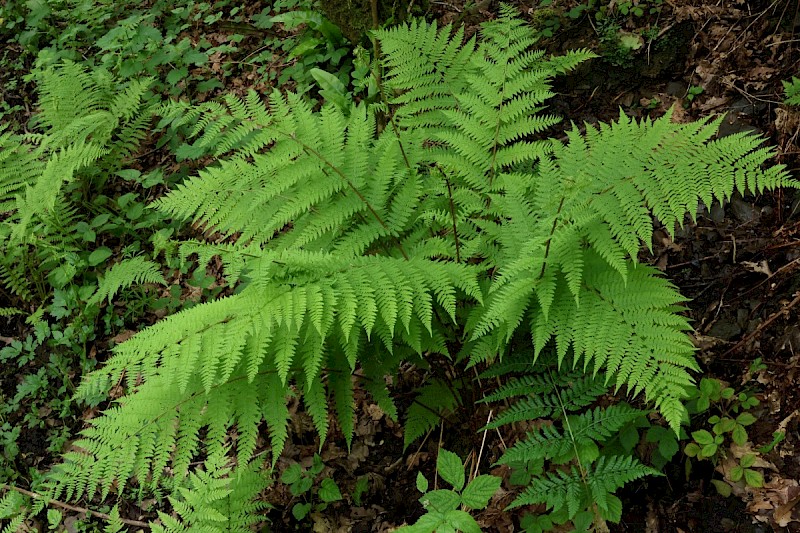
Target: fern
(579,472)
(89,126)
(791,91)
(433,401)
(570,490)
(126,273)
(216,500)
(453,232)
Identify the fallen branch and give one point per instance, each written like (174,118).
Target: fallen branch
(68,507)
(761,327)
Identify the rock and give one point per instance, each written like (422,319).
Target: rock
(744,212)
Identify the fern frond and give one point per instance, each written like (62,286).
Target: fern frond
(426,65)
(791,91)
(20,164)
(128,272)
(629,330)
(568,488)
(434,400)
(219,499)
(543,396)
(578,430)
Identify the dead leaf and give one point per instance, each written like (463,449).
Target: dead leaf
(761,267)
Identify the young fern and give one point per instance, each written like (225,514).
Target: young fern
(591,474)
(452,231)
(89,126)
(791,91)
(217,500)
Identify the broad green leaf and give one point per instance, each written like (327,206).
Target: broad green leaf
(479,491)
(422,483)
(301,510)
(745,419)
(99,255)
(691,449)
(329,491)
(753,478)
(668,446)
(462,521)
(709,450)
(739,435)
(748,460)
(441,500)
(703,437)
(722,488)
(292,474)
(451,469)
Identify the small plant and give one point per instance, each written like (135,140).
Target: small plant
(302,484)
(691,93)
(575,463)
(320,45)
(727,427)
(446,509)
(791,91)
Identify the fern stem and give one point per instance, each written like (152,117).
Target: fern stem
(453,216)
(568,426)
(493,168)
(550,237)
(350,184)
(74,509)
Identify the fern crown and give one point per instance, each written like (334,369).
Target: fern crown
(452,231)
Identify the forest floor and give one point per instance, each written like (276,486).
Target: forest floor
(738,263)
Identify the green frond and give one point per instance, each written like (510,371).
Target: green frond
(578,431)
(20,164)
(40,198)
(791,91)
(433,401)
(546,396)
(135,271)
(219,499)
(114,524)
(568,488)
(629,330)
(352,248)
(426,66)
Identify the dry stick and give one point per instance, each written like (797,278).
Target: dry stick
(483,444)
(69,507)
(764,325)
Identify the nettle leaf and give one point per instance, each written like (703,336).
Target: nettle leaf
(441,500)
(422,483)
(480,490)
(461,521)
(329,491)
(450,468)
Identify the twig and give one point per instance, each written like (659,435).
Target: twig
(68,507)
(764,325)
(483,444)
